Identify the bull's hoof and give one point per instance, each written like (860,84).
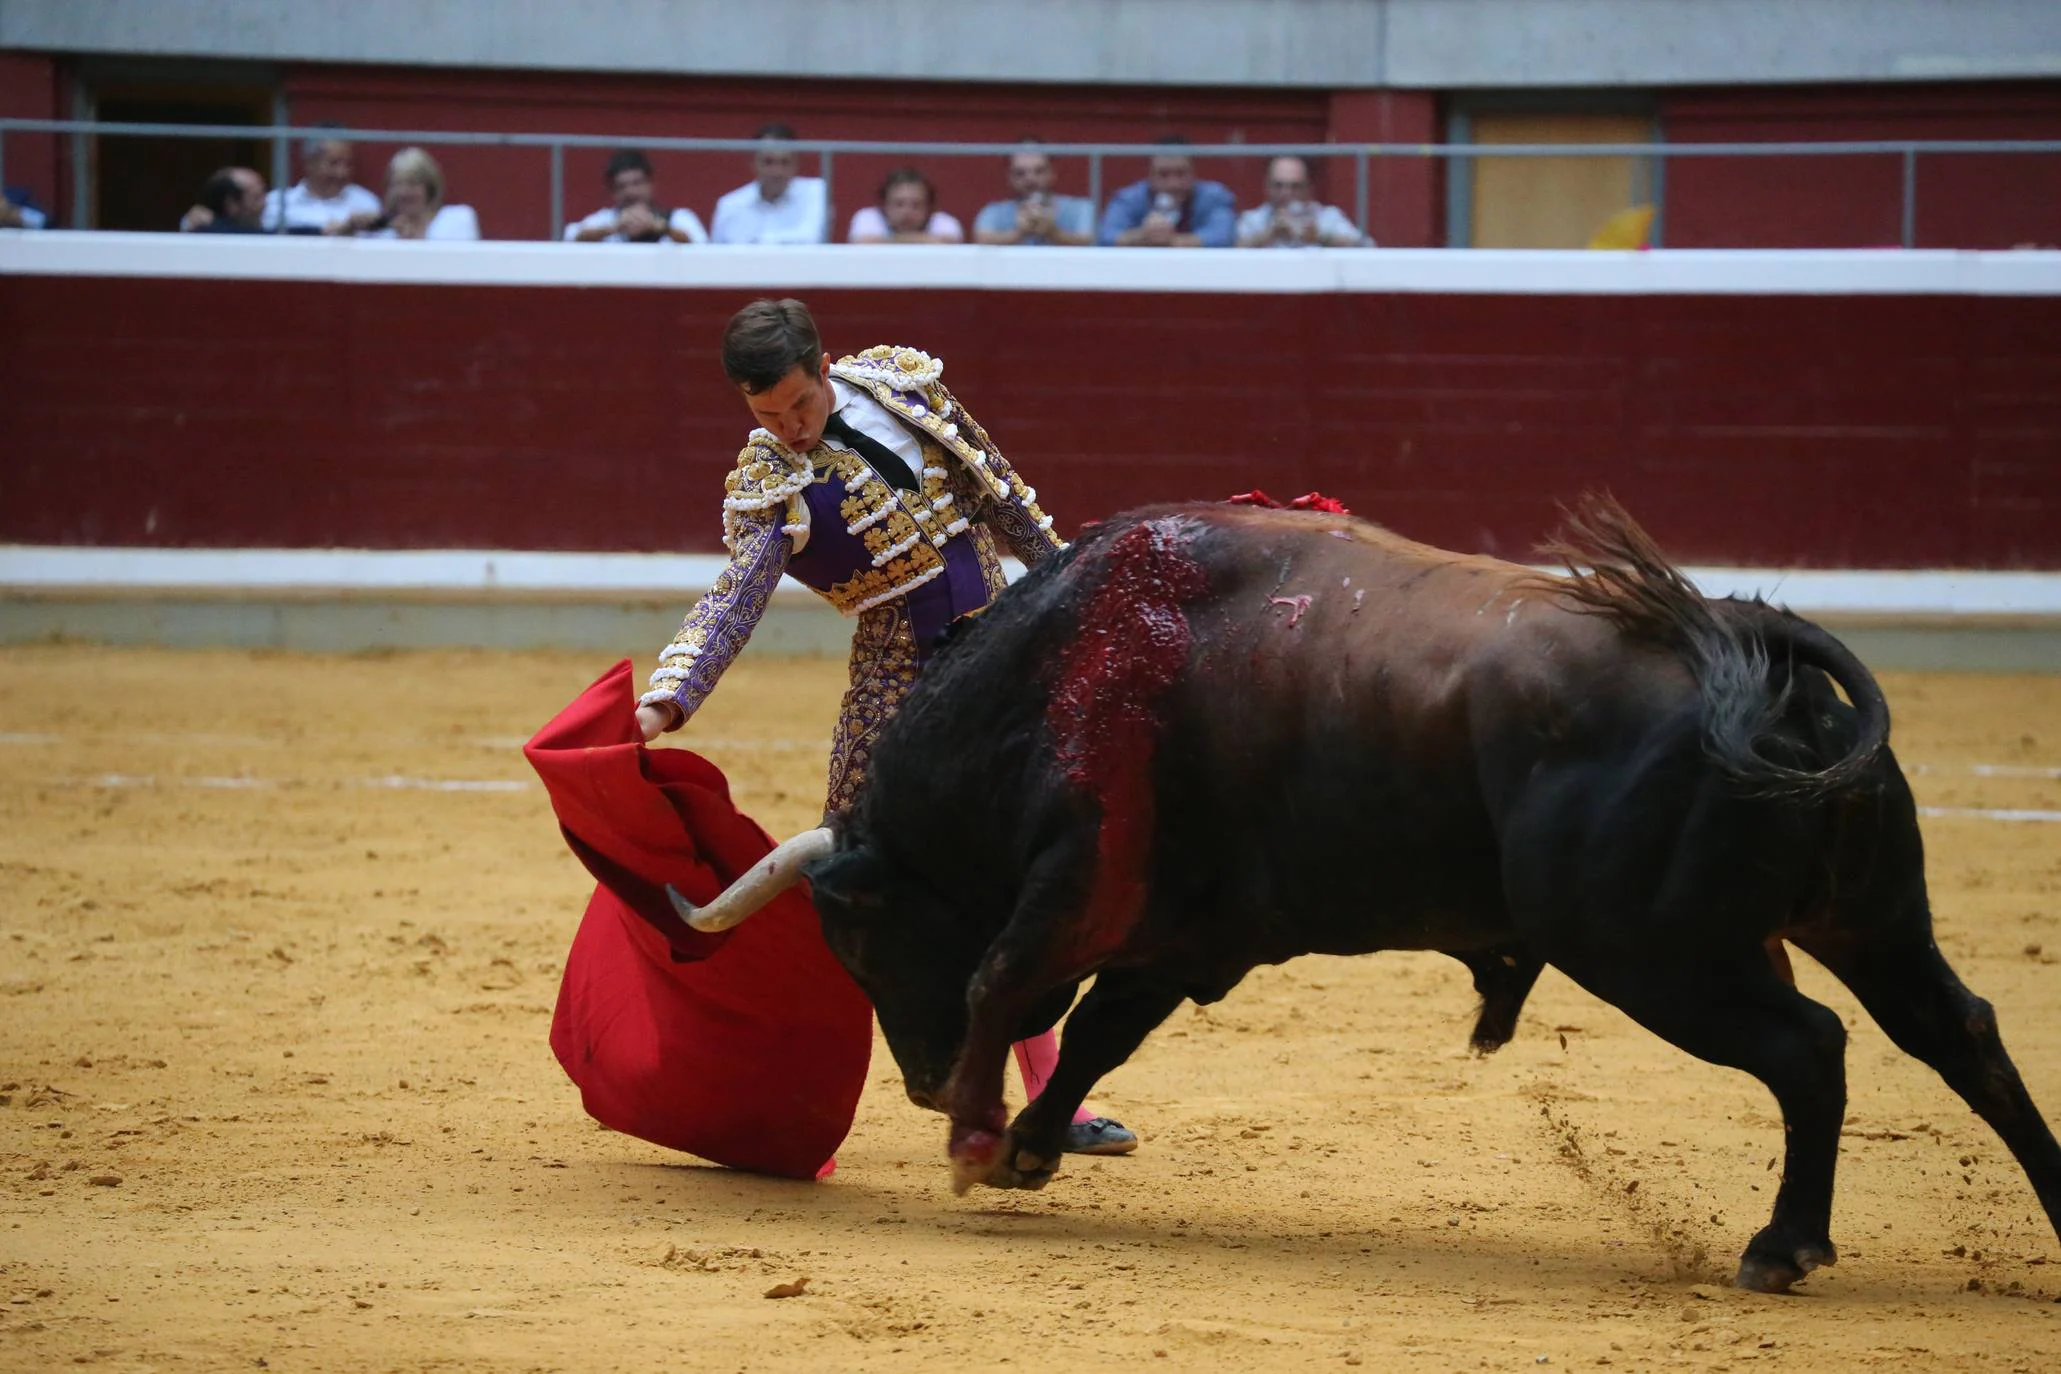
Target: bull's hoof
(975,1156)
(1770,1272)
(1032,1171)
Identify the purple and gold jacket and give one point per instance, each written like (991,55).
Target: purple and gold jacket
(834,523)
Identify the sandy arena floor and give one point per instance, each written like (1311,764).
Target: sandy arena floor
(274,1092)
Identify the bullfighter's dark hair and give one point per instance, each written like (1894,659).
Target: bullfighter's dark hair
(767,340)
(626,160)
(775,131)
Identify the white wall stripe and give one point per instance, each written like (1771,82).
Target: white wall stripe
(679,577)
(1930,272)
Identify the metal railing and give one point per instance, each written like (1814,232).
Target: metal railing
(1362,155)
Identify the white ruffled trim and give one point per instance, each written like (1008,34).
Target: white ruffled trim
(655,697)
(1045,524)
(895,551)
(671,674)
(891,593)
(770,495)
(942,502)
(868,521)
(958,526)
(690,652)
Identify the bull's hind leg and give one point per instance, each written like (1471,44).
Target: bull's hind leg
(1504,977)
(1730,1008)
(1120,1010)
(1908,987)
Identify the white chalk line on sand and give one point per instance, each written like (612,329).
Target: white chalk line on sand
(395,782)
(392,782)
(1987,813)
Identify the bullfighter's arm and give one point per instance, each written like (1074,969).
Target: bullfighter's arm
(1011,511)
(716,629)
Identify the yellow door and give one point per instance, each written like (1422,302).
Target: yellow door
(1553,202)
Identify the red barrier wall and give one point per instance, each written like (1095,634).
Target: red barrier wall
(1964,201)
(1826,431)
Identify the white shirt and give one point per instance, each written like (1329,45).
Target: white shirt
(871,419)
(871,223)
(801,215)
(306,210)
(449,222)
(875,421)
(682,221)
(1334,229)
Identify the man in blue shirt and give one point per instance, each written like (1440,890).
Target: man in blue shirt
(1170,208)
(1036,215)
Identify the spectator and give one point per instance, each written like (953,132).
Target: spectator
(18,210)
(415,206)
(1035,215)
(907,213)
(636,216)
(1291,218)
(324,195)
(232,201)
(777,206)
(1170,208)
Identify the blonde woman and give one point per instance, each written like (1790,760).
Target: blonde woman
(414,206)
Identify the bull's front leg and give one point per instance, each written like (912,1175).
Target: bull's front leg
(1027,961)
(972,1096)
(1120,1010)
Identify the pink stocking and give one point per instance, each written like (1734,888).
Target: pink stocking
(1035,1060)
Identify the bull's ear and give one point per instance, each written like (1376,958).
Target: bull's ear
(853,878)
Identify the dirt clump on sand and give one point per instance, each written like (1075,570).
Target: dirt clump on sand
(279,941)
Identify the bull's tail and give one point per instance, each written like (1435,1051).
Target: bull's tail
(1617,571)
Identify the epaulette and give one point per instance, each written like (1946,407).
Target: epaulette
(766,475)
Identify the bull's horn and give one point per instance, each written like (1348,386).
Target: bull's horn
(768,878)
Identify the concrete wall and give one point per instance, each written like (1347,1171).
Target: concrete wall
(1420,44)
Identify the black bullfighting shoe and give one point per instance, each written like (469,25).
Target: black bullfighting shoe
(1101,1136)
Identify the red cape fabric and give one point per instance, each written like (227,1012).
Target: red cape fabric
(747,1048)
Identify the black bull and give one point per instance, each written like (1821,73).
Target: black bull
(1210,737)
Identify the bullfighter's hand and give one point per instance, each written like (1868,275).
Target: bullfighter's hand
(653,721)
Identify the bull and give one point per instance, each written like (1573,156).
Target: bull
(1210,737)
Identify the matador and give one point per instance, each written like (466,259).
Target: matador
(871,484)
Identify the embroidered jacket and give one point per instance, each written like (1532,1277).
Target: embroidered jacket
(838,526)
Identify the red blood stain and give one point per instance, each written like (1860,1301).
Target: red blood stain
(1309,500)
(1298,605)
(1132,643)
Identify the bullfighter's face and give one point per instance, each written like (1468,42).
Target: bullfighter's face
(907,954)
(795,407)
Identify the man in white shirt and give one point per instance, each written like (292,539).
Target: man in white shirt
(636,216)
(777,206)
(1292,218)
(324,196)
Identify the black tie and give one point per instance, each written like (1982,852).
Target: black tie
(885,460)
